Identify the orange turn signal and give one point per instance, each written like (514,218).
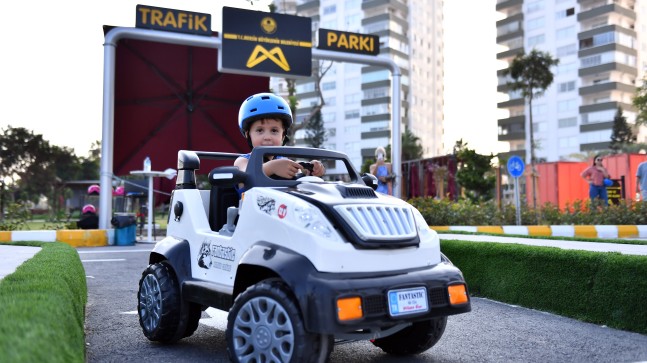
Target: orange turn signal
(349,308)
(457,294)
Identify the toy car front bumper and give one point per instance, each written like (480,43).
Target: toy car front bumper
(319,300)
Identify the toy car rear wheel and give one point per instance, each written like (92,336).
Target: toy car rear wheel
(159,304)
(265,325)
(414,339)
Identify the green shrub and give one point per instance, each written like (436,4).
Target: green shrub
(601,288)
(444,212)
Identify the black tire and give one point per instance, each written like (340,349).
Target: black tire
(414,339)
(265,325)
(160,304)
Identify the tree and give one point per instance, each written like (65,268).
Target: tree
(32,168)
(319,71)
(622,134)
(19,148)
(411,147)
(640,102)
(315,131)
(531,75)
(474,173)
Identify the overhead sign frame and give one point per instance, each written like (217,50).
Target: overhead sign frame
(109,56)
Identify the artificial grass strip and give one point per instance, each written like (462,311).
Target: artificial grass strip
(554,238)
(601,288)
(42,307)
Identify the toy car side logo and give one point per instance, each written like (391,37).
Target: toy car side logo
(282,211)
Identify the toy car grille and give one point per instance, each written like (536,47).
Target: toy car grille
(379,221)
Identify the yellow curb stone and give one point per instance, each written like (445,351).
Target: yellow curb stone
(539,231)
(83,237)
(628,231)
(585,231)
(490,229)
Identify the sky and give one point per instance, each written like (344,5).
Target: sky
(51,73)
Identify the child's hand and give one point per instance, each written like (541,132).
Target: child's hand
(285,168)
(319,169)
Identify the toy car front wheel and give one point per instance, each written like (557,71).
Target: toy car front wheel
(159,304)
(265,325)
(414,339)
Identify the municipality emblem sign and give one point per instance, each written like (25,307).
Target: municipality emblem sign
(260,43)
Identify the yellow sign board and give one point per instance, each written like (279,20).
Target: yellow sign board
(349,42)
(180,21)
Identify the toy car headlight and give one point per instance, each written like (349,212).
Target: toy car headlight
(421,224)
(314,221)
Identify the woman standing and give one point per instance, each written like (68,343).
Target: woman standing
(595,175)
(381,169)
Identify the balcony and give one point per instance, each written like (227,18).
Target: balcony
(606,9)
(606,87)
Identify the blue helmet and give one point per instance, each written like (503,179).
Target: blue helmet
(263,105)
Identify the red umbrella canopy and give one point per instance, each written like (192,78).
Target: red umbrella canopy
(170,97)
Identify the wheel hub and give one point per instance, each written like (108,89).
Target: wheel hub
(262,337)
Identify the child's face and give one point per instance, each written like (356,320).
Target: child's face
(266,132)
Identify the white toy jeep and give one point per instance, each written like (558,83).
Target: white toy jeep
(298,264)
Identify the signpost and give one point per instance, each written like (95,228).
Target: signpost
(515,169)
(255,42)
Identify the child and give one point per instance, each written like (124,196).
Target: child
(264,120)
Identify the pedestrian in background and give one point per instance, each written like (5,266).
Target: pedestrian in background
(595,176)
(641,181)
(383,171)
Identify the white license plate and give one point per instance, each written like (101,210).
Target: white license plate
(408,301)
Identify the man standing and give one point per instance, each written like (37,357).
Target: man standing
(641,181)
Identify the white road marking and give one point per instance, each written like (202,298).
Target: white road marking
(90,277)
(112,251)
(129,312)
(105,260)
(218,319)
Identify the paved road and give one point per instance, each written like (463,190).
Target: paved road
(492,332)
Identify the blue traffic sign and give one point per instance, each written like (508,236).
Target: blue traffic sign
(515,166)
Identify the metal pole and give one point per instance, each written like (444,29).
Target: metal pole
(396,100)
(150,208)
(517,203)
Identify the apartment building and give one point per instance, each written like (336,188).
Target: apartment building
(601,49)
(357,110)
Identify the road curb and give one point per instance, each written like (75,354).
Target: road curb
(72,237)
(591,231)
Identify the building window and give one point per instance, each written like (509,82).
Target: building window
(567,122)
(565,13)
(565,33)
(567,142)
(537,39)
(328,86)
(330,9)
(566,87)
(567,106)
(536,23)
(566,50)
(351,114)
